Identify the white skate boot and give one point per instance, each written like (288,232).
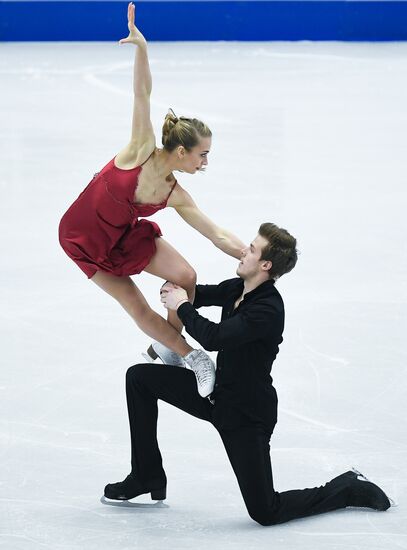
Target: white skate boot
(204,369)
(167,356)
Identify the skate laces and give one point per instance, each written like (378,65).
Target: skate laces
(203,370)
(204,373)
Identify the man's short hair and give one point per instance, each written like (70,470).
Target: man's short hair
(281,249)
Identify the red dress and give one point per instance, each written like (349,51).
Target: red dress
(102,231)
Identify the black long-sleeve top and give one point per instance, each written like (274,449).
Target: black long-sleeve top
(247,339)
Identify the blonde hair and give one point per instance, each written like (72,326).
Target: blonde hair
(182,131)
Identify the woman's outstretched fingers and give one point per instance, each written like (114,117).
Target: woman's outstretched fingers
(135,36)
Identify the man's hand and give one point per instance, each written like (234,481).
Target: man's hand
(166,286)
(172,296)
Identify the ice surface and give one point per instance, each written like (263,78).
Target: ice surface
(310,136)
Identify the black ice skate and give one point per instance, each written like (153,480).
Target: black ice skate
(130,488)
(365,494)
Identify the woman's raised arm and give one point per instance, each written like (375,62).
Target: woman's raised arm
(142,140)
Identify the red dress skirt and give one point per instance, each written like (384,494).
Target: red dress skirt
(102,231)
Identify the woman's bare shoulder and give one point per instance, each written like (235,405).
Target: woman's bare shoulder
(180,197)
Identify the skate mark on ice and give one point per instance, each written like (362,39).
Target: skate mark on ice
(52,504)
(309,420)
(332,358)
(388,536)
(26,538)
(317,379)
(350,534)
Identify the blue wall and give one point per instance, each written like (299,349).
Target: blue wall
(205,20)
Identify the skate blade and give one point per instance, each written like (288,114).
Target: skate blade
(147,358)
(393,503)
(129,504)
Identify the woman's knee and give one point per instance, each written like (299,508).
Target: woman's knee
(187,278)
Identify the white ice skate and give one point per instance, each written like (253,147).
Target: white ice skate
(204,369)
(167,356)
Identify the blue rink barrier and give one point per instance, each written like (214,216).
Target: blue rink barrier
(92,20)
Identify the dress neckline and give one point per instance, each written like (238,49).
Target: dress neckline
(154,205)
(140,168)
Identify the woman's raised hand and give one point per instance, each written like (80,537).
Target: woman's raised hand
(135,36)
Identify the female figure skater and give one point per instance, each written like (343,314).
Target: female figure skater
(104,236)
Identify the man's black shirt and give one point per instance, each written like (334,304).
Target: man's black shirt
(247,339)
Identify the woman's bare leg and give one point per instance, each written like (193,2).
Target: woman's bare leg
(129,296)
(168,264)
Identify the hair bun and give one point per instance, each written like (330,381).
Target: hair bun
(170,121)
(172,116)
(182,131)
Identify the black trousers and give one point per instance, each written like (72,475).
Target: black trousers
(247,448)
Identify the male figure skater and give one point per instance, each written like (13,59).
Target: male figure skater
(243,405)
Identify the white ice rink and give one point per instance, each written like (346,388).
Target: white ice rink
(309,136)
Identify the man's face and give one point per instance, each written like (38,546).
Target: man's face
(251,264)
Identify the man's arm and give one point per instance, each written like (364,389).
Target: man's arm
(250,324)
(206,295)
(247,326)
(213,295)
